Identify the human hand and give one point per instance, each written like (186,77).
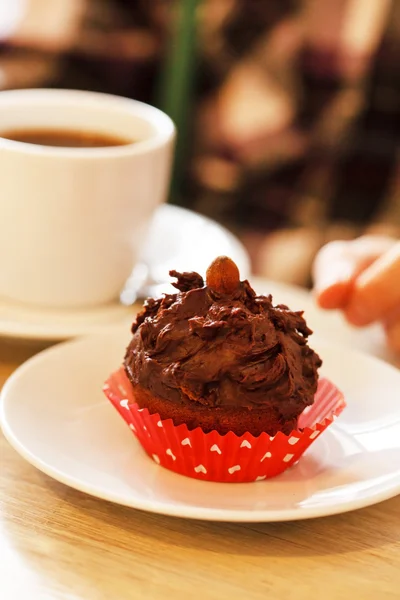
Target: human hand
(362,278)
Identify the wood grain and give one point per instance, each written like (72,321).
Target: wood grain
(56,543)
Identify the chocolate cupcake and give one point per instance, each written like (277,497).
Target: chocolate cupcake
(219,384)
(219,357)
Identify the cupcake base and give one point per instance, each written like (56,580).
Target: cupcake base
(223,458)
(223,420)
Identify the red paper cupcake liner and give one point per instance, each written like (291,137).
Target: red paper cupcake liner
(224,458)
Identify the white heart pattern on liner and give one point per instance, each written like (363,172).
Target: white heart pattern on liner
(288,457)
(124,404)
(159,424)
(232,470)
(200,469)
(170,453)
(245,444)
(266,455)
(215,448)
(293,440)
(186,442)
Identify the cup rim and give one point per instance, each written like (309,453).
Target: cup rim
(162,123)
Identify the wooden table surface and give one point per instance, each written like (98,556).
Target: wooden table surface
(58,543)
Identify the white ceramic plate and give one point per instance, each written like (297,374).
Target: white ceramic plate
(178,239)
(54,414)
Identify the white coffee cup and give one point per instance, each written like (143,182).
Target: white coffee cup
(72,220)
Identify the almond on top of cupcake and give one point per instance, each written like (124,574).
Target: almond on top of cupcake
(217,356)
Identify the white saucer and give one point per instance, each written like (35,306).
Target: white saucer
(54,414)
(178,239)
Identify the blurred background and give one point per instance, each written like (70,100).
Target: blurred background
(288,111)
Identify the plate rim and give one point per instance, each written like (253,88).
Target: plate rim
(171,509)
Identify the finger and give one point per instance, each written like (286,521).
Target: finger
(376,291)
(339,263)
(333,291)
(392,330)
(393,337)
(391,325)
(333,272)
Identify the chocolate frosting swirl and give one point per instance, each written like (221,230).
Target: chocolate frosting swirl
(200,346)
